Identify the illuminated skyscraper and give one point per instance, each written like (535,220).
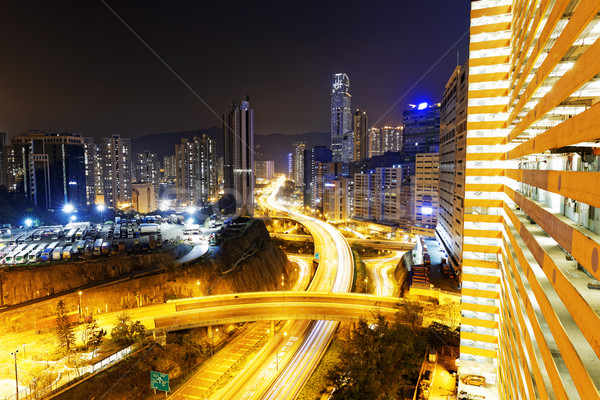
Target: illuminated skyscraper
(421,132)
(238,160)
(341,118)
(530,322)
(298,163)
(361,135)
(49,169)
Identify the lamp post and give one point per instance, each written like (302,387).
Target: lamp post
(212,342)
(198,285)
(366,287)
(14,354)
(80,304)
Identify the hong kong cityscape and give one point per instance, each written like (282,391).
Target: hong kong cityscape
(300,200)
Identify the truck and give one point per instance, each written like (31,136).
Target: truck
(57,253)
(152,242)
(67,252)
(97,247)
(148,228)
(105,248)
(47,253)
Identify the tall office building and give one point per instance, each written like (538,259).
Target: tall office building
(50,169)
(298,163)
(116,167)
(361,136)
(238,160)
(341,118)
(315,170)
(336,199)
(530,322)
(421,132)
(453,137)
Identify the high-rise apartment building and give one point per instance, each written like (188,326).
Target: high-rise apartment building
(196,171)
(341,119)
(426,193)
(391,138)
(421,132)
(315,173)
(116,167)
(238,160)
(169,167)
(374,142)
(336,199)
(377,195)
(298,163)
(290,165)
(146,168)
(453,138)
(4,150)
(89,155)
(50,169)
(385,139)
(361,135)
(530,321)
(264,170)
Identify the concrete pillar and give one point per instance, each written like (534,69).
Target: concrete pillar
(209,331)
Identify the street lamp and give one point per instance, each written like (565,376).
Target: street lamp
(14,354)
(366,287)
(198,285)
(28,222)
(80,304)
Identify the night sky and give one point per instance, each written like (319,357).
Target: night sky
(73,66)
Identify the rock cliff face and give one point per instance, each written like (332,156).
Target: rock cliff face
(247,262)
(19,285)
(250,262)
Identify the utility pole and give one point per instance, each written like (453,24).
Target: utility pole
(16,372)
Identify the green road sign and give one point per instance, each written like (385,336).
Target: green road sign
(159,381)
(316,256)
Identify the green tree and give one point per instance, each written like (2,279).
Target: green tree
(379,360)
(127,331)
(64,328)
(92,334)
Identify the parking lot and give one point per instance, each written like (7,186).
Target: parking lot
(85,240)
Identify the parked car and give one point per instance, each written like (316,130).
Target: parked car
(593,285)
(474,380)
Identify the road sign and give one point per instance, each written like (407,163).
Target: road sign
(159,381)
(316,256)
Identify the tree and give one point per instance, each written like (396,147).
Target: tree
(64,327)
(379,360)
(127,331)
(92,334)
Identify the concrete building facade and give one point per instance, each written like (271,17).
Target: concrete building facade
(453,139)
(530,322)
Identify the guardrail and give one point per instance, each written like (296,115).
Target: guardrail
(56,386)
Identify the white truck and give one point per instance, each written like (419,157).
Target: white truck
(148,228)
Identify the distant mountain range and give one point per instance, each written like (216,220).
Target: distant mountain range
(275,146)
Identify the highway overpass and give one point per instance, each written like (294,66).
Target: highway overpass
(246,307)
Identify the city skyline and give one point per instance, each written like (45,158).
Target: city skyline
(103,81)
